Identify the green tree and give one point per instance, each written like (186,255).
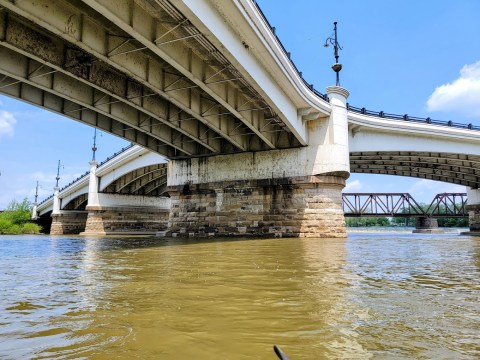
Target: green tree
(16,219)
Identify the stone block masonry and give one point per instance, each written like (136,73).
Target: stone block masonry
(474,217)
(125,220)
(309,206)
(68,222)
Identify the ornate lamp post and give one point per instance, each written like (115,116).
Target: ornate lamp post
(94,148)
(34,208)
(332,40)
(58,174)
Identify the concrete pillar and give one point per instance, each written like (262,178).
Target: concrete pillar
(283,193)
(93,185)
(427,225)
(473,207)
(338,123)
(34,211)
(56,201)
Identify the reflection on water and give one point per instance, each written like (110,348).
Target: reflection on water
(372,296)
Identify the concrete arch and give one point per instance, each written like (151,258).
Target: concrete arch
(452,168)
(414,149)
(137,181)
(78,203)
(129,169)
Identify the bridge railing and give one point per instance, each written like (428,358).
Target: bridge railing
(88,172)
(403,205)
(288,54)
(362,110)
(407,117)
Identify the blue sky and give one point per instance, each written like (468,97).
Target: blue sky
(415,57)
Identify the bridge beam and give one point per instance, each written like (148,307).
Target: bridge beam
(285,193)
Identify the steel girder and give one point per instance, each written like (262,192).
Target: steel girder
(86,46)
(403,205)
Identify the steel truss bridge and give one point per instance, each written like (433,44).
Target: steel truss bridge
(446,205)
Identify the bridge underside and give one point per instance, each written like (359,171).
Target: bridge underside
(139,70)
(147,181)
(446,167)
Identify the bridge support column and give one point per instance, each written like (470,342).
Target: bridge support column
(93,185)
(473,207)
(56,227)
(34,211)
(427,225)
(68,222)
(283,193)
(116,214)
(308,206)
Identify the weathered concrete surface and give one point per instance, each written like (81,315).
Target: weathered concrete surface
(68,222)
(308,206)
(125,220)
(327,153)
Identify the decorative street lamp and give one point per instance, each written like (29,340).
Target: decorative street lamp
(34,207)
(36,194)
(332,40)
(94,148)
(58,173)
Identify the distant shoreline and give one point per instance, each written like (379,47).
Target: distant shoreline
(378,229)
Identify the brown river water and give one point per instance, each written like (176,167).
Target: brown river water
(371,296)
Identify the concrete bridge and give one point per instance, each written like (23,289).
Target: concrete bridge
(124,194)
(253,148)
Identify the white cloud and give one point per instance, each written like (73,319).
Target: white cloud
(461,96)
(425,190)
(353,186)
(7,121)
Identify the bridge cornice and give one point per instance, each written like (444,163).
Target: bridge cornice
(357,121)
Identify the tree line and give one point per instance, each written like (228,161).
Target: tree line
(401,222)
(16,219)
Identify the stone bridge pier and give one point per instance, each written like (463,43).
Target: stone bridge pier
(284,193)
(473,207)
(427,225)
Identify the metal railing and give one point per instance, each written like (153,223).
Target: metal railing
(407,117)
(288,54)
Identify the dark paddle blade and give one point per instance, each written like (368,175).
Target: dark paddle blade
(281,355)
